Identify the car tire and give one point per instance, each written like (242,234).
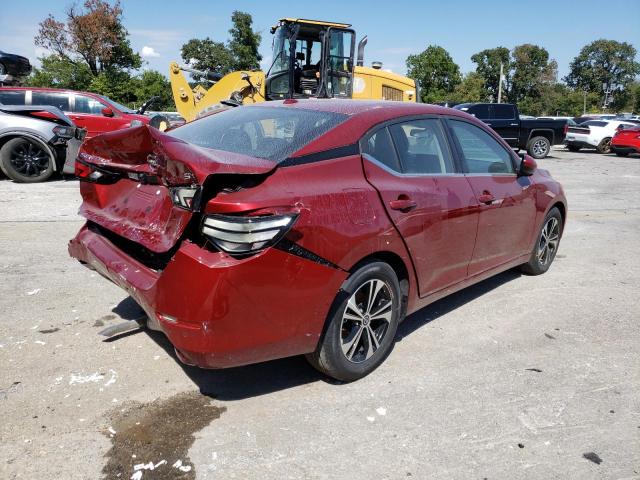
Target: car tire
(358,321)
(546,246)
(604,146)
(26,161)
(539,147)
(622,154)
(573,148)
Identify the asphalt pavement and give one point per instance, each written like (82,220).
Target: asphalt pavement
(514,378)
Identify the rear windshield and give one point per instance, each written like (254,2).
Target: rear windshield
(595,123)
(263,132)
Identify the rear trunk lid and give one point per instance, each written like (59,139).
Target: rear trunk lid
(134,183)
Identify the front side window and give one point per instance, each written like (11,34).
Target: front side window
(272,133)
(422,147)
(478,111)
(85,104)
(481,153)
(59,100)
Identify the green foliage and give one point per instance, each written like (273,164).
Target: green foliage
(603,61)
(152,83)
(488,67)
(471,89)
(60,72)
(240,52)
(435,72)
(244,42)
(207,55)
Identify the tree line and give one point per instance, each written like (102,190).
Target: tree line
(89,49)
(603,68)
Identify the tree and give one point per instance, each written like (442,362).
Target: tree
(150,84)
(435,72)
(603,62)
(207,55)
(531,72)
(471,89)
(58,72)
(244,42)
(93,36)
(488,67)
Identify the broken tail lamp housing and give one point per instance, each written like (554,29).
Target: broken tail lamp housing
(238,235)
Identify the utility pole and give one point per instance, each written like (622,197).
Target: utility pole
(500,84)
(584,103)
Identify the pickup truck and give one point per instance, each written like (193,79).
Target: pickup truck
(535,136)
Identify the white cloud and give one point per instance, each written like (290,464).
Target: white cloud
(149,52)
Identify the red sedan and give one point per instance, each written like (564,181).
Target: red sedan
(626,141)
(309,227)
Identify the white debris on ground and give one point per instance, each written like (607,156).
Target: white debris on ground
(34,291)
(182,468)
(371,419)
(94,377)
(381,411)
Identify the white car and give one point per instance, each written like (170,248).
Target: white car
(594,134)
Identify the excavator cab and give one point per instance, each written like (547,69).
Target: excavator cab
(311,58)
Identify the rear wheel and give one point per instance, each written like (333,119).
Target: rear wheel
(546,246)
(573,148)
(362,324)
(539,147)
(26,161)
(604,146)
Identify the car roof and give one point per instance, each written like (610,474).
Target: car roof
(49,89)
(355,107)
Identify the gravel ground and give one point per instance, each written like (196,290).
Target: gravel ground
(516,377)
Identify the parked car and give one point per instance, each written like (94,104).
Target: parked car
(309,227)
(95,113)
(36,142)
(174,118)
(13,68)
(593,134)
(626,141)
(533,135)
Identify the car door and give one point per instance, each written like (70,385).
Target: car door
(430,203)
(507,204)
(503,120)
(87,113)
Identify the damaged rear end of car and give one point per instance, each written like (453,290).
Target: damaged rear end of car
(160,225)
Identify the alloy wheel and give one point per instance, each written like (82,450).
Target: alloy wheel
(29,159)
(548,244)
(366,320)
(540,148)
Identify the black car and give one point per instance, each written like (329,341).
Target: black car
(12,67)
(533,135)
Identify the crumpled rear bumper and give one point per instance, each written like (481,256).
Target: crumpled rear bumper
(219,311)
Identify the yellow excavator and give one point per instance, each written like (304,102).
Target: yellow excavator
(311,58)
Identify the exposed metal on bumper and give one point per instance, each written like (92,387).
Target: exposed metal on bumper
(219,311)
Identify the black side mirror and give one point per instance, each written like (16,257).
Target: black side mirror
(527,165)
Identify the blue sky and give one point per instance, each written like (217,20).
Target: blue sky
(395,28)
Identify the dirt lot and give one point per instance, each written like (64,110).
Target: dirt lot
(517,377)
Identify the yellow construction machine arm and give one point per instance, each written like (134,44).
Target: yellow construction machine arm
(242,87)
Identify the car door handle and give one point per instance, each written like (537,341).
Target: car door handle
(514,124)
(402,204)
(486,198)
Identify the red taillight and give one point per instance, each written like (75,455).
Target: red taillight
(82,170)
(566,128)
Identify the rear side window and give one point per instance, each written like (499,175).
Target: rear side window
(379,145)
(422,147)
(503,112)
(85,104)
(479,111)
(595,123)
(59,100)
(482,154)
(272,133)
(12,98)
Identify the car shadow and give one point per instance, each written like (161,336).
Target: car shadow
(263,378)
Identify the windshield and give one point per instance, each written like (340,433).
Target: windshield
(119,106)
(263,132)
(280,51)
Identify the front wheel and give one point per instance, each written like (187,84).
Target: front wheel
(362,324)
(26,161)
(547,244)
(604,146)
(539,147)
